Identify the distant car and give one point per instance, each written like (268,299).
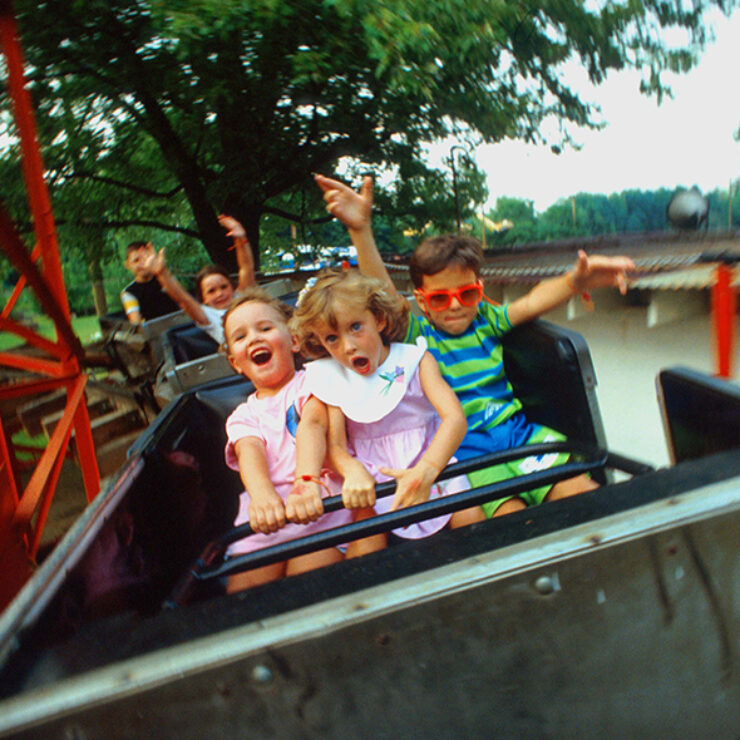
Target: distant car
(335,256)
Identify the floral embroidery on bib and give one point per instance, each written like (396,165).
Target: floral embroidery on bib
(396,376)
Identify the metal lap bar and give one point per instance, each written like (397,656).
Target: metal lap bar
(395,519)
(627,465)
(595,459)
(459,468)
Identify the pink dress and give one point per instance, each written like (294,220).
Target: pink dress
(390,422)
(274,421)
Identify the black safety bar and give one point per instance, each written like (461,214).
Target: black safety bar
(594,458)
(459,468)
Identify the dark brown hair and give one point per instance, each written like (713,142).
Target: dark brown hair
(134,246)
(438,252)
(204,272)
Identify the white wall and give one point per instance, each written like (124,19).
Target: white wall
(627,357)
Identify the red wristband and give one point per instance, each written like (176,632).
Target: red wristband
(585,295)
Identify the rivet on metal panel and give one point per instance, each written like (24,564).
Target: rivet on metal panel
(261,674)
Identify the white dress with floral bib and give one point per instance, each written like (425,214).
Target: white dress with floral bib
(390,422)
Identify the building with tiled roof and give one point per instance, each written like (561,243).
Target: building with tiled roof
(668,265)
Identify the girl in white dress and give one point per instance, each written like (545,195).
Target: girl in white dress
(391,415)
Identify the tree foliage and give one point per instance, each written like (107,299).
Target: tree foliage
(161,114)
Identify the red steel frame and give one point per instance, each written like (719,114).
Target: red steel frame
(724,312)
(23,514)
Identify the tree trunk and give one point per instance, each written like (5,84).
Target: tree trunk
(219,249)
(251,225)
(98,288)
(249,217)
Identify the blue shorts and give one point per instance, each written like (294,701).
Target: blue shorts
(514,432)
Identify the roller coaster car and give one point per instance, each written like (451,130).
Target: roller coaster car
(190,359)
(611,614)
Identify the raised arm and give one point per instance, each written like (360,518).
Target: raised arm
(266,510)
(413,484)
(244,256)
(171,285)
(354,210)
(304,502)
(587,273)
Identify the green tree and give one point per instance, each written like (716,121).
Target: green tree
(522,216)
(557,221)
(190,107)
(722,214)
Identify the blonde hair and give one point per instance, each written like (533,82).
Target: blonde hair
(254,294)
(321,304)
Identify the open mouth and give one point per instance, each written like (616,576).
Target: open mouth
(261,356)
(361,364)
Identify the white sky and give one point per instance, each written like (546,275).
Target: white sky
(687,140)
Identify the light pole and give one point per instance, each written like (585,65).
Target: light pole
(454,183)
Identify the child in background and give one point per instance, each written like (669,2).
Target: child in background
(464,335)
(213,286)
(402,420)
(283,493)
(143,298)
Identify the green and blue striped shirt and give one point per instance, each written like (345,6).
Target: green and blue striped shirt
(472,363)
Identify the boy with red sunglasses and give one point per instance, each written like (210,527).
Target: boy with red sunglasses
(463,332)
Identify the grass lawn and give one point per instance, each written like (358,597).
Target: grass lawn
(86,328)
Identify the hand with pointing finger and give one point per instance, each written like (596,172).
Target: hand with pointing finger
(353,209)
(600,272)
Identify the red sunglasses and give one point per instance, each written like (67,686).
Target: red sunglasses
(440,300)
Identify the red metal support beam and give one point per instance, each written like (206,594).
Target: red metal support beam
(34,364)
(30,336)
(32,387)
(22,518)
(724,319)
(10,304)
(33,170)
(16,565)
(57,444)
(9,502)
(42,287)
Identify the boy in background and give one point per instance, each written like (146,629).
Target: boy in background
(143,298)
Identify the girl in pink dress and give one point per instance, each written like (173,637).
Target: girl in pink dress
(284,489)
(391,415)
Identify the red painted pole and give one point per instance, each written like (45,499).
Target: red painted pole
(724,319)
(33,169)
(18,539)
